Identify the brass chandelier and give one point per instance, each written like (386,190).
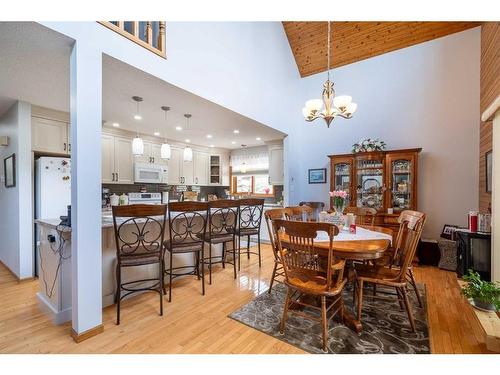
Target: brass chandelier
(330,106)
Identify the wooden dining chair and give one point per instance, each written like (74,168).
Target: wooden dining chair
(392,256)
(187,223)
(143,245)
(269,216)
(364,215)
(310,271)
(299,213)
(391,277)
(316,206)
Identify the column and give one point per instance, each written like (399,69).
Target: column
(86,102)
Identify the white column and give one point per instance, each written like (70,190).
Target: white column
(86,102)
(495,200)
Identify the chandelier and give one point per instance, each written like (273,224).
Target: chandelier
(330,106)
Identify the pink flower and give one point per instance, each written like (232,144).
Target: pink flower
(332,194)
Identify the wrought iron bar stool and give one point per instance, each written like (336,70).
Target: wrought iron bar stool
(187,229)
(250,218)
(222,225)
(139,235)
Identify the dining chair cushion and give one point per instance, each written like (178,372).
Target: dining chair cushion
(140,259)
(247,232)
(367,271)
(217,238)
(189,247)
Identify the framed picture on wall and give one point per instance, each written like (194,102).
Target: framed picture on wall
(489,164)
(9,170)
(317,176)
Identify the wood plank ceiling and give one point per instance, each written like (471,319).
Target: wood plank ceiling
(355,41)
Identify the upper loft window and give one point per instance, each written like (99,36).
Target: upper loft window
(148,34)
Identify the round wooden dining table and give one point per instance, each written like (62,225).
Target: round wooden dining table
(357,250)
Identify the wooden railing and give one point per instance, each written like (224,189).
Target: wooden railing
(148,34)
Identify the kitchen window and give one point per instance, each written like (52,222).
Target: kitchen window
(252,185)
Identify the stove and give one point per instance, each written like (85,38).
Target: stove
(144,198)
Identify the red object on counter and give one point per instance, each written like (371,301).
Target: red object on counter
(473,219)
(352,228)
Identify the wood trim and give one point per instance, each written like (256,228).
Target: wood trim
(489,112)
(403,150)
(79,337)
(135,38)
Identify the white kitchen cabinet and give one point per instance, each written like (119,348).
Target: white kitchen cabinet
(117,160)
(225,169)
(152,154)
(174,166)
(50,136)
(200,168)
(218,169)
(276,175)
(187,172)
(156,154)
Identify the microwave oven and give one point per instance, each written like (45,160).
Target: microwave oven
(150,173)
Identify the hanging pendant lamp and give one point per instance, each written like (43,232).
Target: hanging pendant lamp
(165,151)
(188,152)
(137,143)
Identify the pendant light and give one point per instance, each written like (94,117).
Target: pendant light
(188,152)
(137,143)
(330,106)
(165,151)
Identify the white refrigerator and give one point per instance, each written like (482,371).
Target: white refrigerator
(52,187)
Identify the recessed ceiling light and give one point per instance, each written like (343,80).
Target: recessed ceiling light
(236,131)
(187,140)
(258,139)
(211,145)
(178,128)
(157,134)
(209,135)
(233,142)
(116,125)
(137,117)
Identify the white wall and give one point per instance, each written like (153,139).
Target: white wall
(16,210)
(422,96)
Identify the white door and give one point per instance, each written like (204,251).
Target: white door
(174,166)
(124,160)
(49,135)
(108,158)
(276,176)
(200,168)
(156,154)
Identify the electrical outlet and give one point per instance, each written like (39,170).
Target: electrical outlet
(51,238)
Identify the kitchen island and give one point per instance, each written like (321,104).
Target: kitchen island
(55,265)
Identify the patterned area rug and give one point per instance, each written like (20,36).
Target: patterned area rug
(386,328)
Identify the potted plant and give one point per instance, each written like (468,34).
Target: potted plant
(339,200)
(484,294)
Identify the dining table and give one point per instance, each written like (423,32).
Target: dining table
(368,243)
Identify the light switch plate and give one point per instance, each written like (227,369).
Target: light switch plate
(4,140)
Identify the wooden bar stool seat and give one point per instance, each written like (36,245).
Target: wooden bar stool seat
(187,227)
(140,246)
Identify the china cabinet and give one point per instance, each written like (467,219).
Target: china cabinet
(383,180)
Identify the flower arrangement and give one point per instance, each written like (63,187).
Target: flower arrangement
(368,144)
(339,200)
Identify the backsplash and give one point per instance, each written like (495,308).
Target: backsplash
(175,194)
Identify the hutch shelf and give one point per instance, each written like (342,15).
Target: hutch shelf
(379,179)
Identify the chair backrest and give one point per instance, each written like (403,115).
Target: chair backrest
(251,210)
(148,233)
(406,216)
(187,222)
(316,206)
(223,217)
(364,215)
(270,216)
(299,213)
(303,262)
(412,231)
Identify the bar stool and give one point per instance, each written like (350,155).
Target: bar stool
(187,223)
(249,225)
(139,246)
(222,224)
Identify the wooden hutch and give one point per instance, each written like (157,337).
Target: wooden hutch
(379,179)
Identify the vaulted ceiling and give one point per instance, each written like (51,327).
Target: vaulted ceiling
(355,41)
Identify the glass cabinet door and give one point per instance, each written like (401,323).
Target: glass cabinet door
(370,182)
(342,177)
(401,173)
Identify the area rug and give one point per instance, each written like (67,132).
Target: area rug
(386,329)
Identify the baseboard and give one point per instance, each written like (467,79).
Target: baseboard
(79,337)
(58,317)
(18,279)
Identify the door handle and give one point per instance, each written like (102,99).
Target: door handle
(116,176)
(113,176)
(153,159)
(64,146)
(69,147)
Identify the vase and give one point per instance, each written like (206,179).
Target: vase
(483,305)
(339,210)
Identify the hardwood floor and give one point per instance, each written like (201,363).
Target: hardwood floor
(196,324)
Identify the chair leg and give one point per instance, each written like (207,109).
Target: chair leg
(258,246)
(118,292)
(341,311)
(374,289)
(209,263)
(239,253)
(360,298)
(160,287)
(248,247)
(163,279)
(170,280)
(223,255)
(234,257)
(408,308)
(272,277)
(285,311)
(324,322)
(354,288)
(197,263)
(414,285)
(202,273)
(400,299)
